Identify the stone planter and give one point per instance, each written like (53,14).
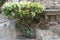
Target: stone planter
(7,28)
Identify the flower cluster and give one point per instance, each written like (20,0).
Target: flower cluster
(22,9)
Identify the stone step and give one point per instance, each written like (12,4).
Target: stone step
(53,23)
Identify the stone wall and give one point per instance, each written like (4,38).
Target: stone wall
(53,4)
(48,30)
(51,29)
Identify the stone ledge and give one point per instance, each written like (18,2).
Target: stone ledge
(51,10)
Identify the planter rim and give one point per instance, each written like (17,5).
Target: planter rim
(3,19)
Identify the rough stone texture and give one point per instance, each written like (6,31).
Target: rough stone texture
(53,33)
(7,31)
(7,28)
(47,35)
(55,29)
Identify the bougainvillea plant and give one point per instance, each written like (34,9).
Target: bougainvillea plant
(23,13)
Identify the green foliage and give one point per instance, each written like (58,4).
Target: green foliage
(29,33)
(24,12)
(22,9)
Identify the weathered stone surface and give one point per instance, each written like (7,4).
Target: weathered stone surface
(46,35)
(56,29)
(7,28)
